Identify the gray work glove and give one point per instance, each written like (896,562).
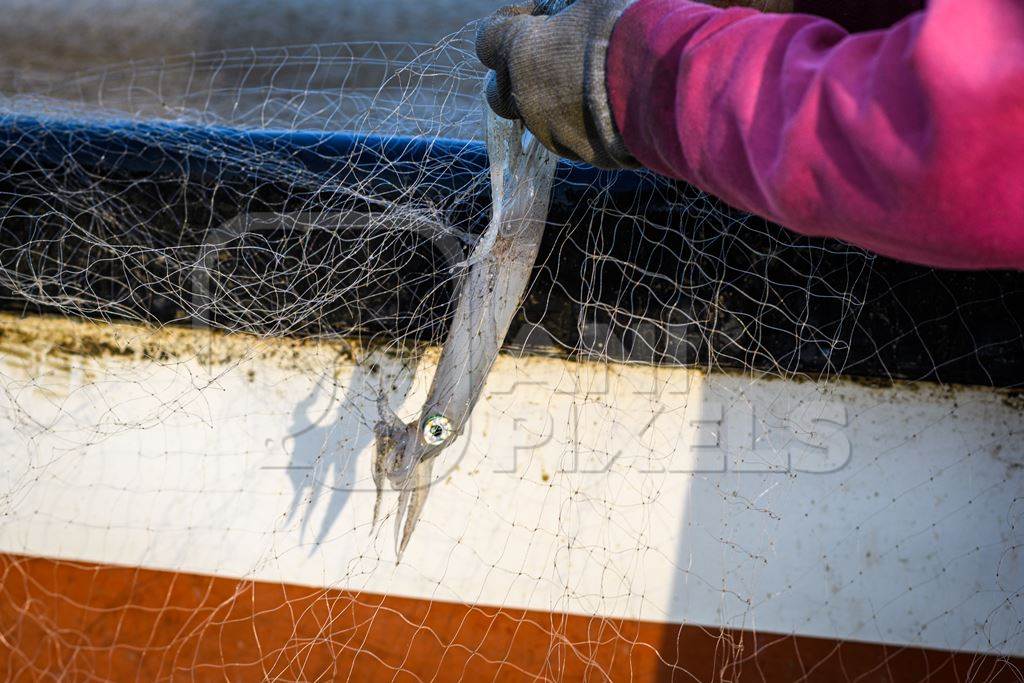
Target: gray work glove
(550,72)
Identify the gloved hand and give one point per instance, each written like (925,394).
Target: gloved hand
(550,72)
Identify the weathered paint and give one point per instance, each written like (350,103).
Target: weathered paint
(833,510)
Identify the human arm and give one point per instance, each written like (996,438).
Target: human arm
(906,141)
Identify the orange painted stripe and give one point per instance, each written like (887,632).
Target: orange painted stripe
(74,621)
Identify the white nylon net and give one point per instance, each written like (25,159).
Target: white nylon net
(699,458)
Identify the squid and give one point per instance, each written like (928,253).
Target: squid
(492,288)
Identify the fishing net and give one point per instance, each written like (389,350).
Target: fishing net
(711,448)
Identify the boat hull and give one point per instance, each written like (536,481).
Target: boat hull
(213,492)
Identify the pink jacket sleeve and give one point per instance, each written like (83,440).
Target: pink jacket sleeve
(907,141)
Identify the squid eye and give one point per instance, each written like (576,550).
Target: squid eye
(436,430)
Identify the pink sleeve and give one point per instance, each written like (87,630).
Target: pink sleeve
(907,141)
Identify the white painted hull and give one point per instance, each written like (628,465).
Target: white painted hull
(831,509)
